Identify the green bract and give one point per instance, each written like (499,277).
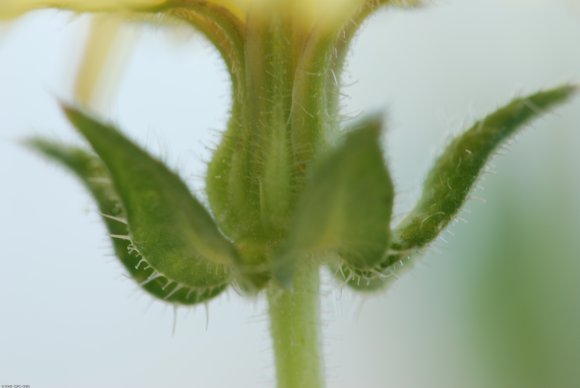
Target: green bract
(341,216)
(91,171)
(449,182)
(345,207)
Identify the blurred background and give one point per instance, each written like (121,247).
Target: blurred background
(494,304)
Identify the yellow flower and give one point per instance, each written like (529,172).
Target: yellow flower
(12,8)
(306,13)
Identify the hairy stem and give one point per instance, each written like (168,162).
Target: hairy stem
(295,320)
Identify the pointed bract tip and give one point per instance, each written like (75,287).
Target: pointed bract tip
(70,111)
(41,145)
(31,143)
(65,106)
(373,122)
(564,92)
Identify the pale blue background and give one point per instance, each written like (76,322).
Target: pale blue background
(69,318)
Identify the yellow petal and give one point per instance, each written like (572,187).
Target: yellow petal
(326,13)
(305,14)
(106,52)
(13,8)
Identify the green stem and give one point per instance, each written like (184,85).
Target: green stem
(295,319)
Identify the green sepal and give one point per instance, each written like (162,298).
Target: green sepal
(450,180)
(93,174)
(168,227)
(345,207)
(448,184)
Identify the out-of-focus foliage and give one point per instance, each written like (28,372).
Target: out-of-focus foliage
(522,301)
